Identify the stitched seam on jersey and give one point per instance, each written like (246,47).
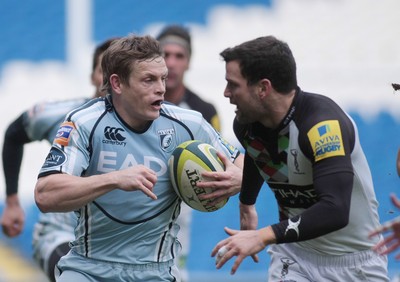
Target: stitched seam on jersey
(132,222)
(178,121)
(90,147)
(86,232)
(84,106)
(166,232)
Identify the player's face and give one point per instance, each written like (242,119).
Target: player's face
(97,78)
(248,106)
(141,99)
(177,60)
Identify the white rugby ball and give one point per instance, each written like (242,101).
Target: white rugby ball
(186,165)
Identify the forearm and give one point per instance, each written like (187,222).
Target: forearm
(251,183)
(239,161)
(267,235)
(248,217)
(318,220)
(13,149)
(12,200)
(62,192)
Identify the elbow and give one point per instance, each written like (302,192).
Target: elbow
(342,222)
(40,202)
(41,199)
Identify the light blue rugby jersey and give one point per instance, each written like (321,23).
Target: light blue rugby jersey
(41,122)
(127,227)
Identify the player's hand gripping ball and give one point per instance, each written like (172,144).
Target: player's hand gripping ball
(186,164)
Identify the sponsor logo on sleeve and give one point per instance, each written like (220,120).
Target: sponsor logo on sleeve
(55,158)
(64,133)
(326,140)
(232,149)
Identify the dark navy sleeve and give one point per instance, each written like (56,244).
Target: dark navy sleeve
(252,180)
(329,214)
(13,150)
(333,184)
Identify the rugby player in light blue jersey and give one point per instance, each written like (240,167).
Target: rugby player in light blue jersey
(53,231)
(109,164)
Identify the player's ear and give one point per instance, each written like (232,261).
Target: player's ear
(263,87)
(115,82)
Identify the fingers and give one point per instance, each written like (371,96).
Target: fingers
(236,265)
(255,258)
(149,193)
(218,247)
(390,248)
(224,254)
(211,179)
(221,252)
(224,159)
(378,246)
(228,248)
(230,232)
(223,243)
(13,230)
(387,226)
(395,200)
(147,187)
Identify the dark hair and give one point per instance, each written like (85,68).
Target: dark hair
(265,57)
(122,53)
(176,30)
(100,50)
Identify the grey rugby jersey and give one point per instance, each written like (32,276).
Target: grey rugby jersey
(122,226)
(314,164)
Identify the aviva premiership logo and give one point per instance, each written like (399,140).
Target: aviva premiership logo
(326,140)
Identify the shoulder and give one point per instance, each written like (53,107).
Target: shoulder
(89,108)
(322,123)
(312,109)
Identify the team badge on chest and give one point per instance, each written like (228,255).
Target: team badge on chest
(167,139)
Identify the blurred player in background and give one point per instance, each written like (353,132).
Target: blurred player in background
(110,165)
(176,43)
(53,231)
(307,149)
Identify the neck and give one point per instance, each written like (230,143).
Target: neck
(278,109)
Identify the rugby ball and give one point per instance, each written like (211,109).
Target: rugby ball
(186,165)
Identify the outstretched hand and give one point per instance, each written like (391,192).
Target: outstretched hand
(223,183)
(242,243)
(391,242)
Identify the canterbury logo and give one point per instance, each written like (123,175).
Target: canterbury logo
(114,133)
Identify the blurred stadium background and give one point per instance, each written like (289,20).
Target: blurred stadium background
(347,50)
